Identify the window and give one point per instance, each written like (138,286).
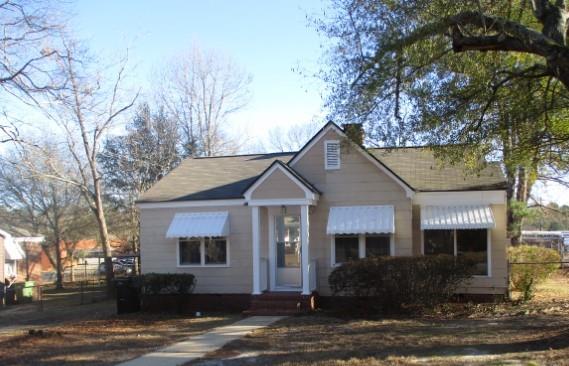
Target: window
(190,252)
(439,242)
(352,247)
(346,248)
(377,246)
(203,252)
(472,243)
(332,154)
(288,241)
(215,251)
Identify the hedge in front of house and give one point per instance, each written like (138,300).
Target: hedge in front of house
(397,284)
(168,283)
(524,277)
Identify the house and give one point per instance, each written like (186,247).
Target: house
(250,224)
(15,259)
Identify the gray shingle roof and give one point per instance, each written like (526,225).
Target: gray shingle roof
(213,178)
(419,168)
(228,177)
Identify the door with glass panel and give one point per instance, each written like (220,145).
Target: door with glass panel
(287,242)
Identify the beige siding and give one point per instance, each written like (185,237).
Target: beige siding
(158,254)
(358,182)
(277,185)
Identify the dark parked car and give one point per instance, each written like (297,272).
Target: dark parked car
(120,266)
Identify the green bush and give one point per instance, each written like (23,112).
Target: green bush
(397,284)
(524,277)
(168,283)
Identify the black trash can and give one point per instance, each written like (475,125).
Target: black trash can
(128,295)
(10,295)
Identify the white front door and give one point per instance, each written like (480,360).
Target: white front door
(287,251)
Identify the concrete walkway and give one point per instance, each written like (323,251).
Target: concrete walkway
(197,346)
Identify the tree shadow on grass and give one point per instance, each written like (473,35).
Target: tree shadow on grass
(381,341)
(115,340)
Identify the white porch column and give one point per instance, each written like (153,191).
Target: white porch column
(256,227)
(305,249)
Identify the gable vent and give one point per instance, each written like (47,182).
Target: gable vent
(332,154)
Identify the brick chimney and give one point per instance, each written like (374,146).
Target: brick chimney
(355,131)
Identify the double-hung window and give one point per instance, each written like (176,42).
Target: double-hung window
(211,251)
(347,248)
(473,243)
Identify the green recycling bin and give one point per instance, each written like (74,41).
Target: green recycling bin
(28,291)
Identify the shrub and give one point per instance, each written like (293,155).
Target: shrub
(168,283)
(524,277)
(396,284)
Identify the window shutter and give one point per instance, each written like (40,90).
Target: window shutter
(332,155)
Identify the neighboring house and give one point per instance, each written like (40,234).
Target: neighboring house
(80,259)
(15,259)
(557,240)
(282,222)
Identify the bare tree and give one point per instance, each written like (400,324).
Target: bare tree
(30,30)
(293,137)
(39,204)
(86,109)
(201,89)
(133,162)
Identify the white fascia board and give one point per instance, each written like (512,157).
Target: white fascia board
(200,203)
(408,190)
(283,202)
(453,198)
(308,194)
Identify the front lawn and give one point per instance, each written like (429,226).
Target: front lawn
(81,327)
(506,334)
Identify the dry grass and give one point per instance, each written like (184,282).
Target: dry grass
(536,333)
(89,334)
(101,341)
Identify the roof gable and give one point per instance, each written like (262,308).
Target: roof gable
(331,126)
(292,184)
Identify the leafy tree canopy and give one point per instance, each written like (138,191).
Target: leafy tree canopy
(452,71)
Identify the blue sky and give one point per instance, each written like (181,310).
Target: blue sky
(267,38)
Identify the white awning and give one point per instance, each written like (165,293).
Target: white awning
(13,250)
(199,224)
(361,220)
(457,217)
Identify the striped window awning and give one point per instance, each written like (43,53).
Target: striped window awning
(199,224)
(457,217)
(361,220)
(13,250)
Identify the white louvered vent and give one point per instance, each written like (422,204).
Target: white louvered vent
(332,154)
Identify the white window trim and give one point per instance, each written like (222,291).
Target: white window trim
(334,142)
(488,250)
(202,255)
(361,246)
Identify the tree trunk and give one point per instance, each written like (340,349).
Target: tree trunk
(58,266)
(511,218)
(104,234)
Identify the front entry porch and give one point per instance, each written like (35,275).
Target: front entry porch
(281,250)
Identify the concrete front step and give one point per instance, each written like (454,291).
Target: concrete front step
(272,312)
(281,303)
